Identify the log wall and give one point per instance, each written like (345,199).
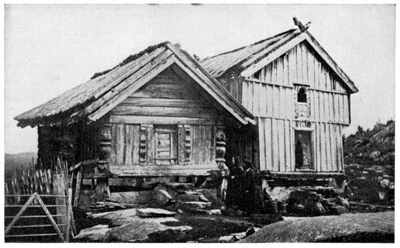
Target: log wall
(166,100)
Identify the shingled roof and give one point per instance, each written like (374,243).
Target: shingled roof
(96,97)
(250,58)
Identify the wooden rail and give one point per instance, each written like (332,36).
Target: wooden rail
(62,230)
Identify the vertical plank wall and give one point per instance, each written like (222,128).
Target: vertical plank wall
(271,97)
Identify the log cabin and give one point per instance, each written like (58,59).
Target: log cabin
(280,103)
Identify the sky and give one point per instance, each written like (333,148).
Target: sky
(51,48)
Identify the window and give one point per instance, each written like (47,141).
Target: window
(166,144)
(302,95)
(303,152)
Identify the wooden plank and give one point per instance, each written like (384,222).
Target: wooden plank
(281,138)
(19,214)
(268,143)
(77,187)
(262,143)
(150,143)
(328,149)
(279,71)
(120,144)
(181,144)
(165,111)
(317,149)
(314,148)
(52,221)
(165,170)
(128,144)
(164,120)
(196,146)
(163,102)
(275,145)
(202,151)
(287,146)
(114,139)
(69,210)
(304,64)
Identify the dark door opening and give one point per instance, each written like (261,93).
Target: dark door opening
(303,151)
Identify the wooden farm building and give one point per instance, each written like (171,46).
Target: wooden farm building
(280,103)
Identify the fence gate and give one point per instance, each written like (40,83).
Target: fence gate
(42,218)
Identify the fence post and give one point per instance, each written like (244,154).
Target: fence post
(69,210)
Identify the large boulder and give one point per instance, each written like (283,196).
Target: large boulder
(360,227)
(154,212)
(97,233)
(142,229)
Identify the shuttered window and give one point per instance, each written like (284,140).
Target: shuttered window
(166,145)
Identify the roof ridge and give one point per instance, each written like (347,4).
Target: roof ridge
(252,44)
(130,58)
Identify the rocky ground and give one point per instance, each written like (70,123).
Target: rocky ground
(359,227)
(369,157)
(173,212)
(160,225)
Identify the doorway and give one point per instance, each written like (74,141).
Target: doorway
(303,150)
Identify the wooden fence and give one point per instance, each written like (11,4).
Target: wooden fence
(38,205)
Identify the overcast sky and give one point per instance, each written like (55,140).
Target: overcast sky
(49,49)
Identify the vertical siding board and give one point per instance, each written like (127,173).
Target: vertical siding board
(338,139)
(299,70)
(346,107)
(275,145)
(120,144)
(320,107)
(305,64)
(322,149)
(281,145)
(128,144)
(286,69)
(114,143)
(287,146)
(268,144)
(315,145)
(195,144)
(292,144)
(136,141)
(263,100)
(329,150)
(334,147)
(341,148)
(293,65)
(262,138)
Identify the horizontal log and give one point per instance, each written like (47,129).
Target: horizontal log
(163,170)
(165,111)
(163,102)
(167,120)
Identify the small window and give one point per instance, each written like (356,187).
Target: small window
(257,75)
(166,146)
(302,95)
